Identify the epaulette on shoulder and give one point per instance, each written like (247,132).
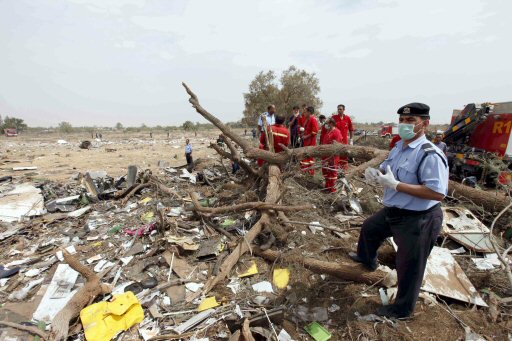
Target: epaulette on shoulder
(428,147)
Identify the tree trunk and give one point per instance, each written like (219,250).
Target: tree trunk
(347,271)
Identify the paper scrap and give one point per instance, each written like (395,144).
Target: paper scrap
(281,278)
(253,270)
(208,303)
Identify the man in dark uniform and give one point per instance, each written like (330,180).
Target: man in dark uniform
(415,180)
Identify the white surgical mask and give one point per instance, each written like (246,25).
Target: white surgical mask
(327,126)
(406,130)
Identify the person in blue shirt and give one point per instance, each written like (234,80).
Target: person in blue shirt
(188,156)
(415,181)
(270,115)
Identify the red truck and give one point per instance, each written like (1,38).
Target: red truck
(388,130)
(479,143)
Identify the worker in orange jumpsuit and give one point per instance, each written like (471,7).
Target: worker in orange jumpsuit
(280,134)
(331,164)
(309,132)
(344,124)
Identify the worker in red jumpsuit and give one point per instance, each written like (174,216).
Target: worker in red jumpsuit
(331,164)
(394,141)
(309,132)
(280,134)
(344,125)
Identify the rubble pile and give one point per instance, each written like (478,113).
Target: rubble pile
(155,252)
(231,253)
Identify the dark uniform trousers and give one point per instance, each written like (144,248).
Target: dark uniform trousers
(190,161)
(415,233)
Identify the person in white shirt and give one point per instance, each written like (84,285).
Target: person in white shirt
(270,115)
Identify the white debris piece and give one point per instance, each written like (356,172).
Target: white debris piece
(193,286)
(444,276)
(489,262)
(315,226)
(264,286)
(23,200)
(58,293)
(60,256)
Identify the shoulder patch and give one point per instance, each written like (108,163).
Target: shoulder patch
(429,148)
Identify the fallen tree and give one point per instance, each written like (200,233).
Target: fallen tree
(370,157)
(350,272)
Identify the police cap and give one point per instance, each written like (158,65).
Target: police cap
(414,109)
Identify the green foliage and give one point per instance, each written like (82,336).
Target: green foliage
(13,122)
(65,127)
(119,126)
(188,125)
(295,87)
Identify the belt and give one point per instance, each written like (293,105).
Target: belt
(395,211)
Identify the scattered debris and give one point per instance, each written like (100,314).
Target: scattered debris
(21,201)
(463,227)
(444,276)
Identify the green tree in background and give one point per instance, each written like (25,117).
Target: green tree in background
(13,122)
(65,127)
(295,87)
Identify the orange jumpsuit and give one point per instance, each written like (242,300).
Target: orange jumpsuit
(310,128)
(281,135)
(344,125)
(331,164)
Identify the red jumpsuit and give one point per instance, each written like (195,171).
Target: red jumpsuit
(395,139)
(323,133)
(344,125)
(310,128)
(281,135)
(331,164)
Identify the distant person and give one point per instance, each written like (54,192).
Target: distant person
(323,129)
(344,124)
(168,134)
(96,135)
(101,136)
(195,133)
(280,136)
(235,167)
(270,116)
(293,125)
(330,164)
(245,132)
(253,133)
(188,156)
(150,134)
(220,140)
(438,142)
(309,132)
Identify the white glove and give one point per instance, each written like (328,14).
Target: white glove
(371,175)
(351,142)
(388,180)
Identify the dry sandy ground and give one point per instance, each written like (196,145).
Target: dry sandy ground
(113,154)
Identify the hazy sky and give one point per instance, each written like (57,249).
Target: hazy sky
(101,62)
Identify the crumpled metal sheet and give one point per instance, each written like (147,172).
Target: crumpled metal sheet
(23,200)
(444,277)
(460,225)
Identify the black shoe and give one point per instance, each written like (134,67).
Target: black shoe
(391,311)
(372,266)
